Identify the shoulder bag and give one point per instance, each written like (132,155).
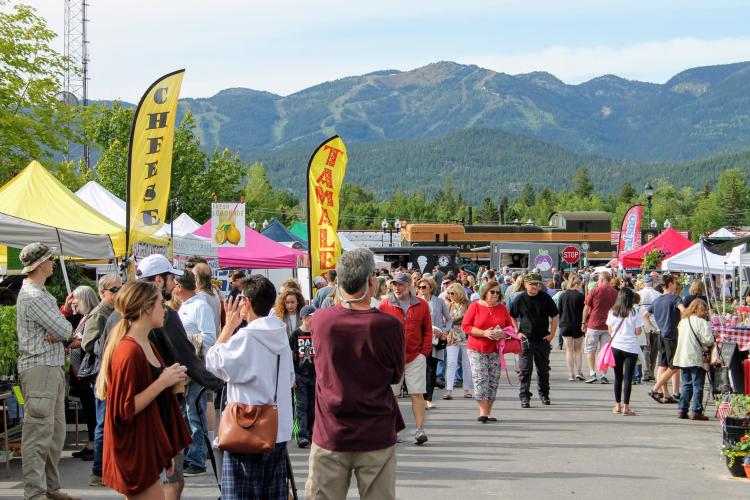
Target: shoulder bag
(706,353)
(606,359)
(246,428)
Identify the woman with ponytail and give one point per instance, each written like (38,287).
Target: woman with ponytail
(144,428)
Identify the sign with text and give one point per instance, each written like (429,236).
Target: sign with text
(571,255)
(228,225)
(150,159)
(325,175)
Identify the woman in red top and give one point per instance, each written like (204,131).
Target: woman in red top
(483,323)
(144,428)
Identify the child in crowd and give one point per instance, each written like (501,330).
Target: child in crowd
(304,390)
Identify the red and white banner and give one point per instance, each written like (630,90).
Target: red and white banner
(630,234)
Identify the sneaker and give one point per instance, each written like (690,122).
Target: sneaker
(545,400)
(604,380)
(61,495)
(192,470)
(420,437)
(571,379)
(591,379)
(580,377)
(525,403)
(303,442)
(95,480)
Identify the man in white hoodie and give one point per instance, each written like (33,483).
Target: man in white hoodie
(256,364)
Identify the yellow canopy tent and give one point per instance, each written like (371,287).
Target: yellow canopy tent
(35,206)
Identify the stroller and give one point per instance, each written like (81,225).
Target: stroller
(201,415)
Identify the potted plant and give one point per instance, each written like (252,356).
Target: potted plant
(746,466)
(733,452)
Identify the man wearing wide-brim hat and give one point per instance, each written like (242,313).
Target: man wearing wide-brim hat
(42,329)
(534,316)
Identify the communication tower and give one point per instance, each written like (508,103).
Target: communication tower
(75,85)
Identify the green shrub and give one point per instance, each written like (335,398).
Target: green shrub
(8,342)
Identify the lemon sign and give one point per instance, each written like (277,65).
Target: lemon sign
(228,224)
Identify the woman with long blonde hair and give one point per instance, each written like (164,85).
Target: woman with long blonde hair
(458,303)
(144,429)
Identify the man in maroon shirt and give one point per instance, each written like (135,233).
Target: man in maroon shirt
(596,307)
(359,353)
(415,315)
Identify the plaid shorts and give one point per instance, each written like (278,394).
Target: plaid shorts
(257,475)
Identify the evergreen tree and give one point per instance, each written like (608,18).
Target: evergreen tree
(489,212)
(527,197)
(582,185)
(627,193)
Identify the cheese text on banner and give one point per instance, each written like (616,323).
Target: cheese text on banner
(150,158)
(325,175)
(630,233)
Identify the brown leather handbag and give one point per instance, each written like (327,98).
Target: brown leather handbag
(248,428)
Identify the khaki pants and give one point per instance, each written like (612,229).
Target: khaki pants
(43,432)
(331,472)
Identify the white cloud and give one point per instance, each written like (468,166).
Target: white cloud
(654,61)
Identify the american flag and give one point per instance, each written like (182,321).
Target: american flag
(724,409)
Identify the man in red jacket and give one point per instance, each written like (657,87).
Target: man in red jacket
(414,313)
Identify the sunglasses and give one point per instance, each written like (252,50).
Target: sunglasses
(494,292)
(422,287)
(114,289)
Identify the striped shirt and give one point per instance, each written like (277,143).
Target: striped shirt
(36,316)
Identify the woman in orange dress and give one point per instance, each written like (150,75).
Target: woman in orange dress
(144,429)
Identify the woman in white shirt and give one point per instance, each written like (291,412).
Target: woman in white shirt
(624,325)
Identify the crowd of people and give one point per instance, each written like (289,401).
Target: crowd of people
(156,359)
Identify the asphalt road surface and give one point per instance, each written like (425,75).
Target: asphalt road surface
(575,448)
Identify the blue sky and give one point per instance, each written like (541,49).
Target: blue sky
(284,46)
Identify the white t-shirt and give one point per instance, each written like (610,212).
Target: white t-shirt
(625,338)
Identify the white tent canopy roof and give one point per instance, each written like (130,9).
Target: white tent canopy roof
(697,260)
(183,225)
(104,202)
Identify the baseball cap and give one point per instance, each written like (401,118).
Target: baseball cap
(319,280)
(154,265)
(648,279)
(402,278)
(34,254)
(307,310)
(533,278)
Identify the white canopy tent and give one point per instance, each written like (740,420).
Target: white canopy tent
(104,202)
(696,260)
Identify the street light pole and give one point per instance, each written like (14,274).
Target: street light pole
(649,190)
(384,225)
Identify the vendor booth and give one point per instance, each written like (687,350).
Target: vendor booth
(669,241)
(280,234)
(35,206)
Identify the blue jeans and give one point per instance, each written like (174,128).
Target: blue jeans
(195,454)
(101,406)
(693,379)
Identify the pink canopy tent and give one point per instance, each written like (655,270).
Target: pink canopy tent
(670,242)
(259,252)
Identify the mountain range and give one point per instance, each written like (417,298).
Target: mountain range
(697,113)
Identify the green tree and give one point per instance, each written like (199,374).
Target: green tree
(627,193)
(489,212)
(581,183)
(732,192)
(527,197)
(109,131)
(34,124)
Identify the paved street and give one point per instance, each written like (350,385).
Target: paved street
(575,448)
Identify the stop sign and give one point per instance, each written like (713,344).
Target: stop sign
(571,255)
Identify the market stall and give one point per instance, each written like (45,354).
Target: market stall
(280,234)
(670,242)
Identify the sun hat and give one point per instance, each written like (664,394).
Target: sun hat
(34,254)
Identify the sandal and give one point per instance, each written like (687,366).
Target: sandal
(468,395)
(656,396)
(669,400)
(629,413)
(447,396)
(616,411)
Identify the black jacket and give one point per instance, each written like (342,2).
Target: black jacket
(174,347)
